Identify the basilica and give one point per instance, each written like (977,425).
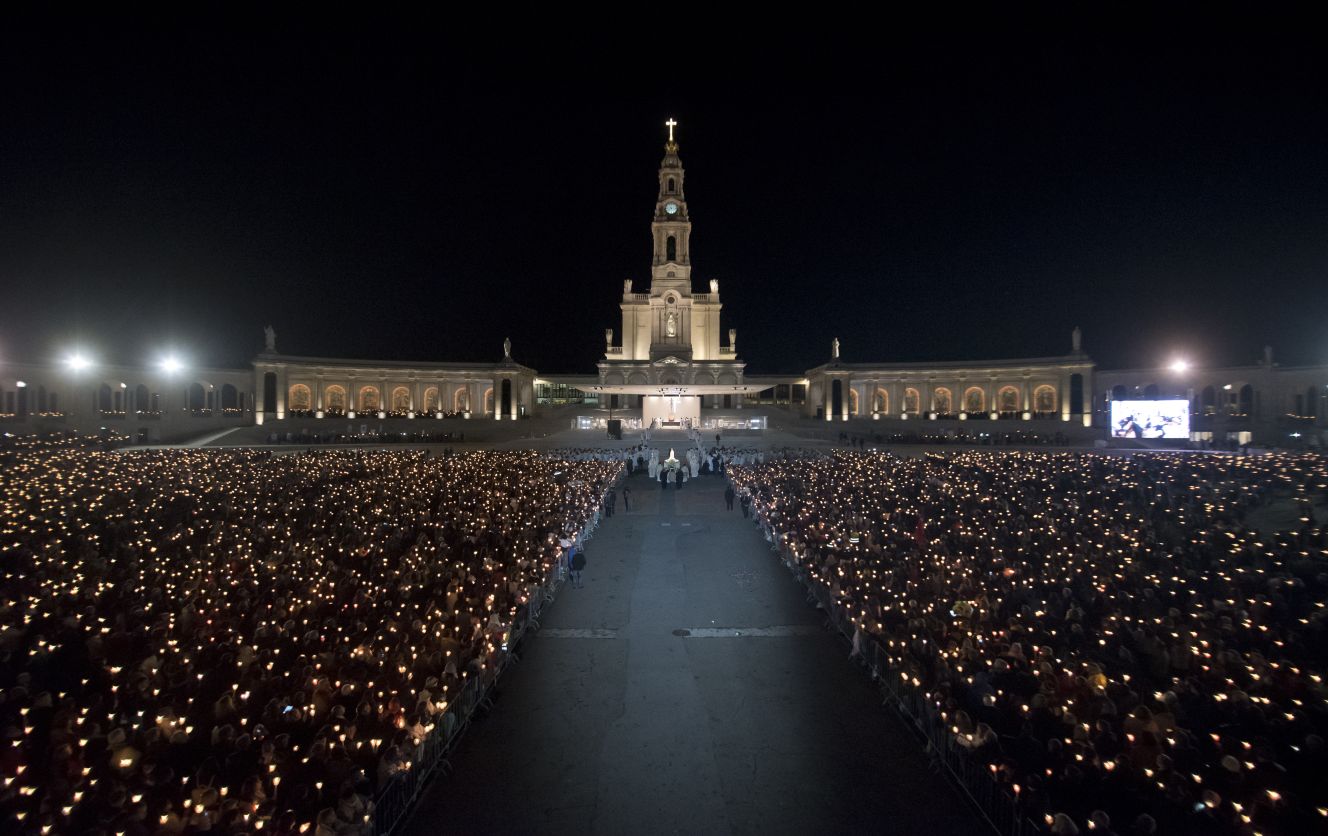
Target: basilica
(670,362)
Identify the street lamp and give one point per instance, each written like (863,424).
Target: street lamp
(1179,366)
(171,364)
(78,361)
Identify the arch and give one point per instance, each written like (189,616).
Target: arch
(505,396)
(1245,401)
(638,378)
(431,399)
(613,378)
(912,401)
(1044,399)
(299,399)
(836,397)
(727,378)
(334,399)
(852,401)
(1312,402)
(1150,392)
(975,400)
(230,397)
(672,186)
(142,399)
(1007,399)
(488,401)
(671,249)
(942,401)
(196,398)
(369,400)
(881,403)
(1119,392)
(1208,400)
(401,400)
(461,400)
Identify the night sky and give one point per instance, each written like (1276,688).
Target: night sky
(417,193)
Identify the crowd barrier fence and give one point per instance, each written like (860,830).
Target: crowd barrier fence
(394,801)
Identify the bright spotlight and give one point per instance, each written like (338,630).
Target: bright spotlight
(171,365)
(78,362)
(1179,366)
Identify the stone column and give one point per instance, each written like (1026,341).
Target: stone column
(260,396)
(281,393)
(1065,396)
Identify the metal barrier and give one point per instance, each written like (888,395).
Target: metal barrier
(1000,807)
(394,801)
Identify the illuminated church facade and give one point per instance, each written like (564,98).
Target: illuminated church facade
(670,362)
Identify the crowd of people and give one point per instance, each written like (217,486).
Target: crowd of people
(1110,635)
(975,437)
(365,436)
(250,641)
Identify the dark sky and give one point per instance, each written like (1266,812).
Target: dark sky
(419,192)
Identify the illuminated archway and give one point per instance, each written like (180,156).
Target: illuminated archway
(1044,399)
(334,399)
(942,401)
(401,400)
(370,400)
(431,399)
(912,401)
(300,398)
(975,400)
(882,401)
(1008,399)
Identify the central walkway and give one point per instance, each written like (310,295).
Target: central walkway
(687,688)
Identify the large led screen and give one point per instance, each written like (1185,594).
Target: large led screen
(1150,419)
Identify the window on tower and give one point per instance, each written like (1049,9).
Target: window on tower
(671,249)
(671,189)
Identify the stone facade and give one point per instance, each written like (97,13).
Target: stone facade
(672,346)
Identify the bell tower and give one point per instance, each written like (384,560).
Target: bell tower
(671,267)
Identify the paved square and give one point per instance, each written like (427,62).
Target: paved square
(614,724)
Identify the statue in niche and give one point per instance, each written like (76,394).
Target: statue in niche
(671,324)
(269,339)
(507,348)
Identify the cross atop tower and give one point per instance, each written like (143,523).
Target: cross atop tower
(671,125)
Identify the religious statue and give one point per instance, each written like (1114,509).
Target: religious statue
(733,339)
(627,287)
(608,338)
(834,349)
(671,324)
(1076,340)
(714,286)
(507,348)
(269,339)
